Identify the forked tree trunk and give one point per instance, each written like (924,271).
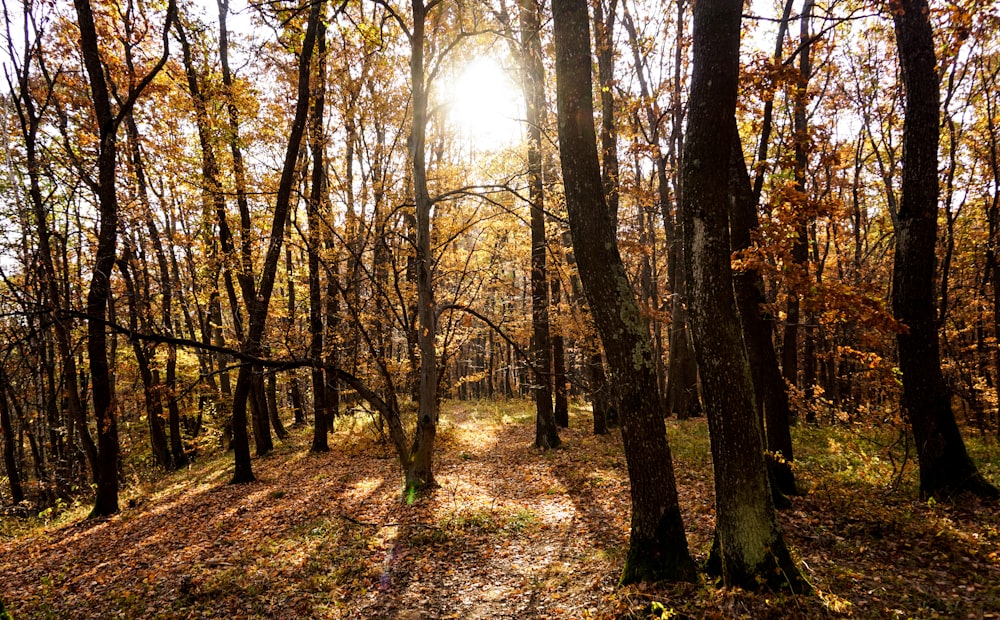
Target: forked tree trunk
(945,466)
(751,552)
(657,546)
(99,295)
(258,310)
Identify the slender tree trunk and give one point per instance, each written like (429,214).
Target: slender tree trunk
(604,30)
(750,551)
(561,411)
(533,80)
(99,294)
(259,309)
(321,412)
(9,447)
(657,546)
(419,473)
(945,466)
(150,386)
(800,247)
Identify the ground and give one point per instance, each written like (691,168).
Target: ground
(511,532)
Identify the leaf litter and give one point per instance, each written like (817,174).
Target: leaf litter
(511,532)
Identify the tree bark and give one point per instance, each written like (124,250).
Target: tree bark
(945,466)
(751,550)
(419,472)
(769,385)
(533,80)
(321,411)
(99,294)
(9,452)
(657,546)
(258,310)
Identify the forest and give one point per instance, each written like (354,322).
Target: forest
(674,309)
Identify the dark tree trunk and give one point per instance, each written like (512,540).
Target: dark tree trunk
(258,309)
(561,411)
(106,501)
(533,80)
(150,385)
(657,547)
(769,386)
(9,446)
(271,395)
(260,421)
(419,471)
(751,550)
(945,466)
(321,411)
(99,295)
(604,29)
(800,247)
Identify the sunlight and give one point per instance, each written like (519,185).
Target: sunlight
(484,105)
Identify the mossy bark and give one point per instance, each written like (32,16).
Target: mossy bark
(657,547)
(751,548)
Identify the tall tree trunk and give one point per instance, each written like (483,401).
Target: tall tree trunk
(150,386)
(561,411)
(750,550)
(99,294)
(769,386)
(604,30)
(259,308)
(533,81)
(800,247)
(657,546)
(945,466)
(419,473)
(321,411)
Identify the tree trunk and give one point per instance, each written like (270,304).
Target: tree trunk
(657,547)
(561,411)
(9,452)
(258,310)
(533,80)
(419,472)
(314,247)
(945,466)
(769,386)
(752,552)
(604,30)
(99,295)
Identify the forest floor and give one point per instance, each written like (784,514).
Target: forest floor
(511,533)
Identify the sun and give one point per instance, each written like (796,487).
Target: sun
(484,106)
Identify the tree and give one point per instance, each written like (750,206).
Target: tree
(749,550)
(108,121)
(258,309)
(533,71)
(657,545)
(9,449)
(945,466)
(322,411)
